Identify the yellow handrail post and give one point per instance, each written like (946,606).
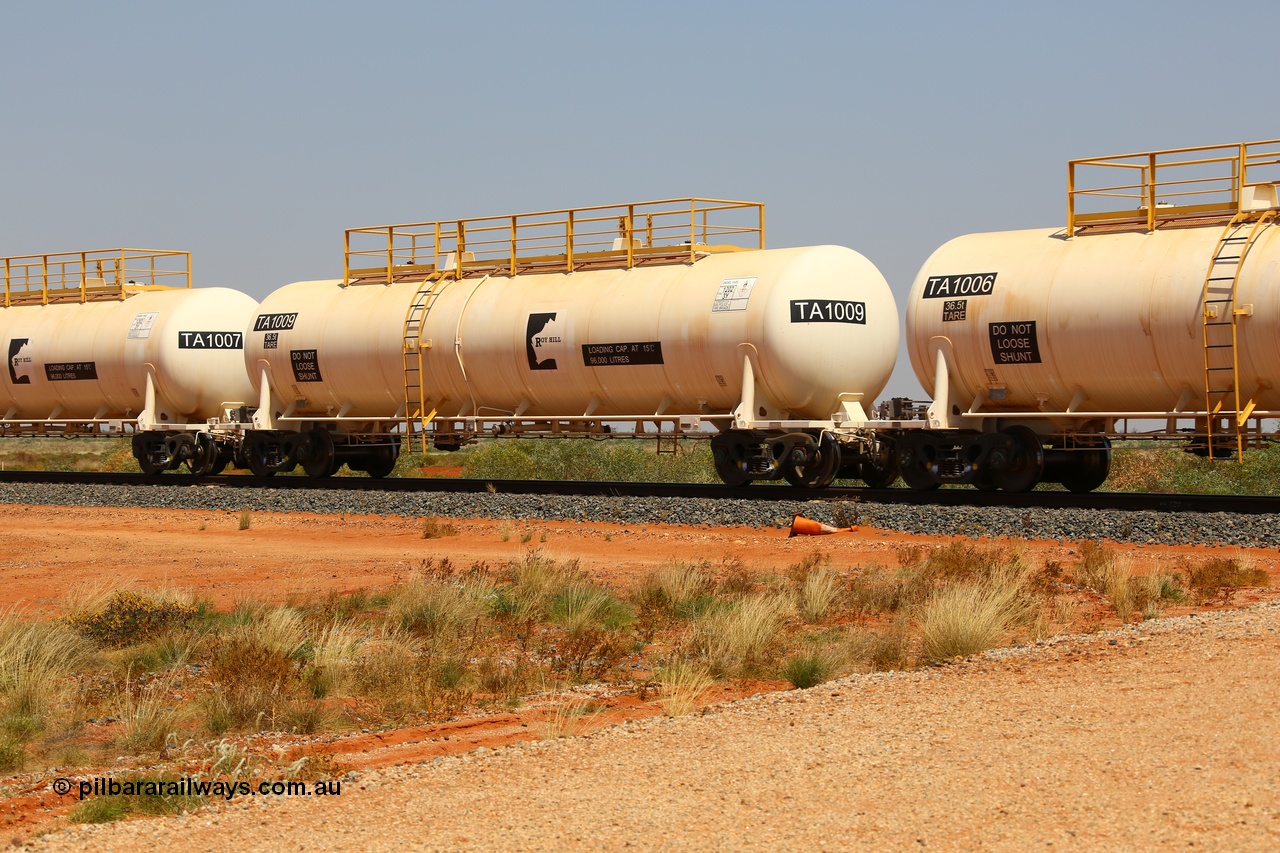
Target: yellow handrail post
(693,228)
(44,279)
(346,258)
(459,249)
(514,231)
(1071,198)
(391,241)
(760,208)
(1237,184)
(84,276)
(568,240)
(437,258)
(1150,180)
(627,235)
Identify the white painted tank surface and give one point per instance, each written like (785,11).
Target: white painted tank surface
(92,360)
(1029,320)
(817,322)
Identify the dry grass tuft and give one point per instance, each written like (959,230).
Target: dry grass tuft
(1218,577)
(148,714)
(571,719)
(333,654)
(34,658)
(675,588)
(737,635)
(438,610)
(683,684)
(434,528)
(880,651)
(818,594)
(1111,577)
(967,618)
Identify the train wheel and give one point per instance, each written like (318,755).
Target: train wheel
(203,457)
(321,459)
(1016,466)
(915,459)
(150,467)
(881,472)
(730,457)
(151,453)
(381,461)
(255,456)
(220,463)
(1089,468)
(984,484)
(814,468)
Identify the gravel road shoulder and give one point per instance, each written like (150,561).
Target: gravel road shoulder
(1154,736)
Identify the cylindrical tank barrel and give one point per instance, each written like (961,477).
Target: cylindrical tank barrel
(91,360)
(1113,322)
(818,323)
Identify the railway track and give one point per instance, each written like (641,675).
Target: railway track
(1242,504)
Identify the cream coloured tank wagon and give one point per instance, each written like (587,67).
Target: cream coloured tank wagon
(578,322)
(1157,306)
(107,341)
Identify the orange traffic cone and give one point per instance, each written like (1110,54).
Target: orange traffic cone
(801,526)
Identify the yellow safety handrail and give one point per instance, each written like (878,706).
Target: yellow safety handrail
(669,230)
(1178,183)
(97,275)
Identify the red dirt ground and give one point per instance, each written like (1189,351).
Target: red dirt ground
(47,551)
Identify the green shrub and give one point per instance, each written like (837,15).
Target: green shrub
(1218,577)
(626,460)
(808,669)
(131,617)
(158,794)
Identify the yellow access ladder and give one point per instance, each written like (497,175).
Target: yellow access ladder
(414,399)
(1220,325)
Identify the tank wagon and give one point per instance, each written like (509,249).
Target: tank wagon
(667,315)
(1153,312)
(101,341)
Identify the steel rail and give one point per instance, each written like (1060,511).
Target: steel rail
(1133,501)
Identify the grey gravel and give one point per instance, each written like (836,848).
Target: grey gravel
(1143,527)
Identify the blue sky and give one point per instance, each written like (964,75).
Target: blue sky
(253,134)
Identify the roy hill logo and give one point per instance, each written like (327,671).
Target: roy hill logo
(543,341)
(21,365)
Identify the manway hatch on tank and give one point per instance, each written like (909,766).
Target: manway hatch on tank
(1178,186)
(96,276)
(670,231)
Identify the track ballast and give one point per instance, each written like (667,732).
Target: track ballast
(958,497)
